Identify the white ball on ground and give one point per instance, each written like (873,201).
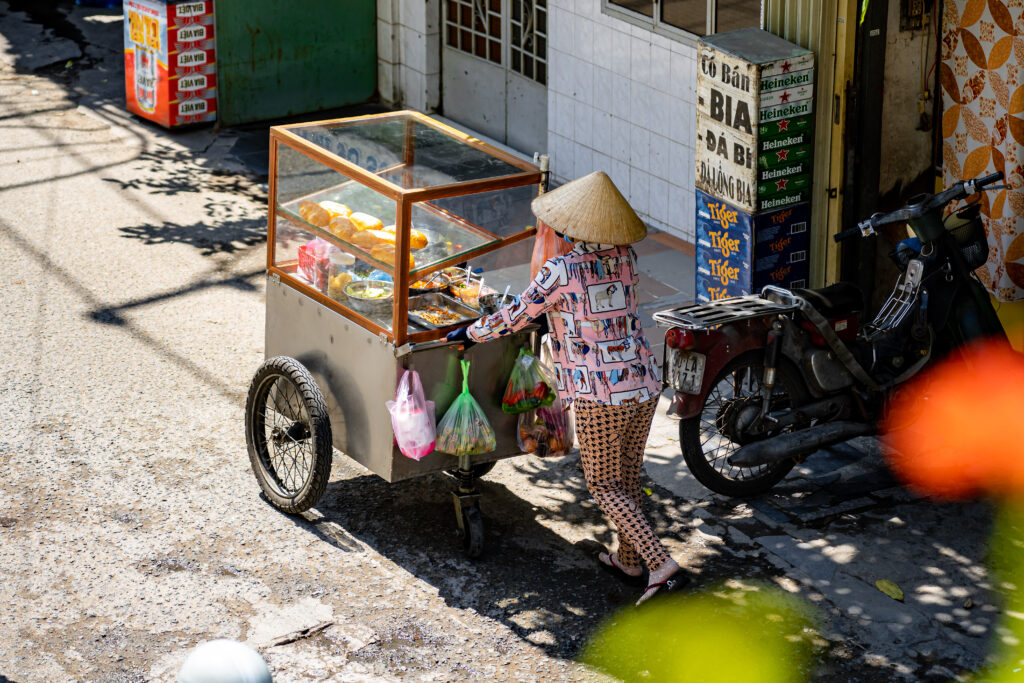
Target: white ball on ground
(224,661)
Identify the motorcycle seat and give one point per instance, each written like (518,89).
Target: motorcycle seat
(835,301)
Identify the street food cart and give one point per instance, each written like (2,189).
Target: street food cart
(382,233)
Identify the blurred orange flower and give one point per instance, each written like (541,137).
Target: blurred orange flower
(964,433)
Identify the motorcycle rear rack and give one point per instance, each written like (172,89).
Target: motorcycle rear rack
(714,313)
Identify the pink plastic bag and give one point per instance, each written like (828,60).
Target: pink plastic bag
(412,418)
(314,262)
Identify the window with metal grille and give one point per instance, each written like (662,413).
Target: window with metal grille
(529,47)
(686,18)
(474,26)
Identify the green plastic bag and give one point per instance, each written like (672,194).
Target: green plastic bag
(464,429)
(528,388)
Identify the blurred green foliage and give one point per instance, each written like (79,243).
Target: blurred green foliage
(1006,560)
(734,634)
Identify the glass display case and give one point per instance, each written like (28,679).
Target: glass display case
(373,217)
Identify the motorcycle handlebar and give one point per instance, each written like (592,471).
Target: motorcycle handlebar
(989,179)
(964,188)
(846,234)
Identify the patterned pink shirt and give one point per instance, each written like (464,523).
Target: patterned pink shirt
(589,294)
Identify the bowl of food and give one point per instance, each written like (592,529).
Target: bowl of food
(491,301)
(436,282)
(469,291)
(455,273)
(370,296)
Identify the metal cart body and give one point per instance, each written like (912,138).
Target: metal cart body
(357,371)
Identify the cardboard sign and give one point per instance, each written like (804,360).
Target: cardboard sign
(738,113)
(729,75)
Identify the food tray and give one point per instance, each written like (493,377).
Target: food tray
(466,313)
(362,305)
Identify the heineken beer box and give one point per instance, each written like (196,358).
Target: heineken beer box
(739,253)
(755,108)
(169,61)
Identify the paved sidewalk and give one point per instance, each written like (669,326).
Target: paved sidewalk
(838,523)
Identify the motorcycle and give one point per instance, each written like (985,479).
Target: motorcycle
(762,381)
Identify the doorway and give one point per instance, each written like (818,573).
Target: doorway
(494,69)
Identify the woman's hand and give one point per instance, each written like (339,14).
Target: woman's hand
(460,335)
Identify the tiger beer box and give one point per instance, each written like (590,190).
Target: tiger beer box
(169,61)
(755,111)
(739,253)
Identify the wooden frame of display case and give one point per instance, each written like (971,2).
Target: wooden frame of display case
(404,200)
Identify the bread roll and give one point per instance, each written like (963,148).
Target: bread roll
(364,221)
(417,240)
(369,238)
(314,214)
(335,209)
(383,236)
(342,228)
(364,239)
(385,253)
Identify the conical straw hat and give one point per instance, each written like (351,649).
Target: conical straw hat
(590,209)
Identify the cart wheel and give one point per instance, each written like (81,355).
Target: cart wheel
(472,532)
(288,433)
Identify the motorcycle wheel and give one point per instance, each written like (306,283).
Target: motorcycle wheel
(706,448)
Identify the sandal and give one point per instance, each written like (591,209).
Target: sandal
(673,583)
(613,568)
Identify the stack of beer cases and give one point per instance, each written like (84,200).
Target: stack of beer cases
(753,163)
(170,60)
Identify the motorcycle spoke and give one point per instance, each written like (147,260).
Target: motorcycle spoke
(743,384)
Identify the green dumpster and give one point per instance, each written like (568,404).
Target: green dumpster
(277,59)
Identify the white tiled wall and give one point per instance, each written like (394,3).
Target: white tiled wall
(408,53)
(622,100)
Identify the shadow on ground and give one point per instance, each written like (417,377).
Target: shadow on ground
(546,588)
(539,578)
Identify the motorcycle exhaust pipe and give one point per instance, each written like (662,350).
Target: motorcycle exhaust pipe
(796,444)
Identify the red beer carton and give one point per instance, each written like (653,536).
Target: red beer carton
(170,61)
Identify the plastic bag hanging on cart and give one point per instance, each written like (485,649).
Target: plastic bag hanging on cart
(464,429)
(528,388)
(412,418)
(547,431)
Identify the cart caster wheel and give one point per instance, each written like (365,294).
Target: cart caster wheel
(481,470)
(472,532)
(288,434)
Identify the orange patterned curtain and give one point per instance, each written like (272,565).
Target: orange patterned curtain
(982,74)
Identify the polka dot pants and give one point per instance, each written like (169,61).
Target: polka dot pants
(612,441)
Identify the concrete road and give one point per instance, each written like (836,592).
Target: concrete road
(132,529)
